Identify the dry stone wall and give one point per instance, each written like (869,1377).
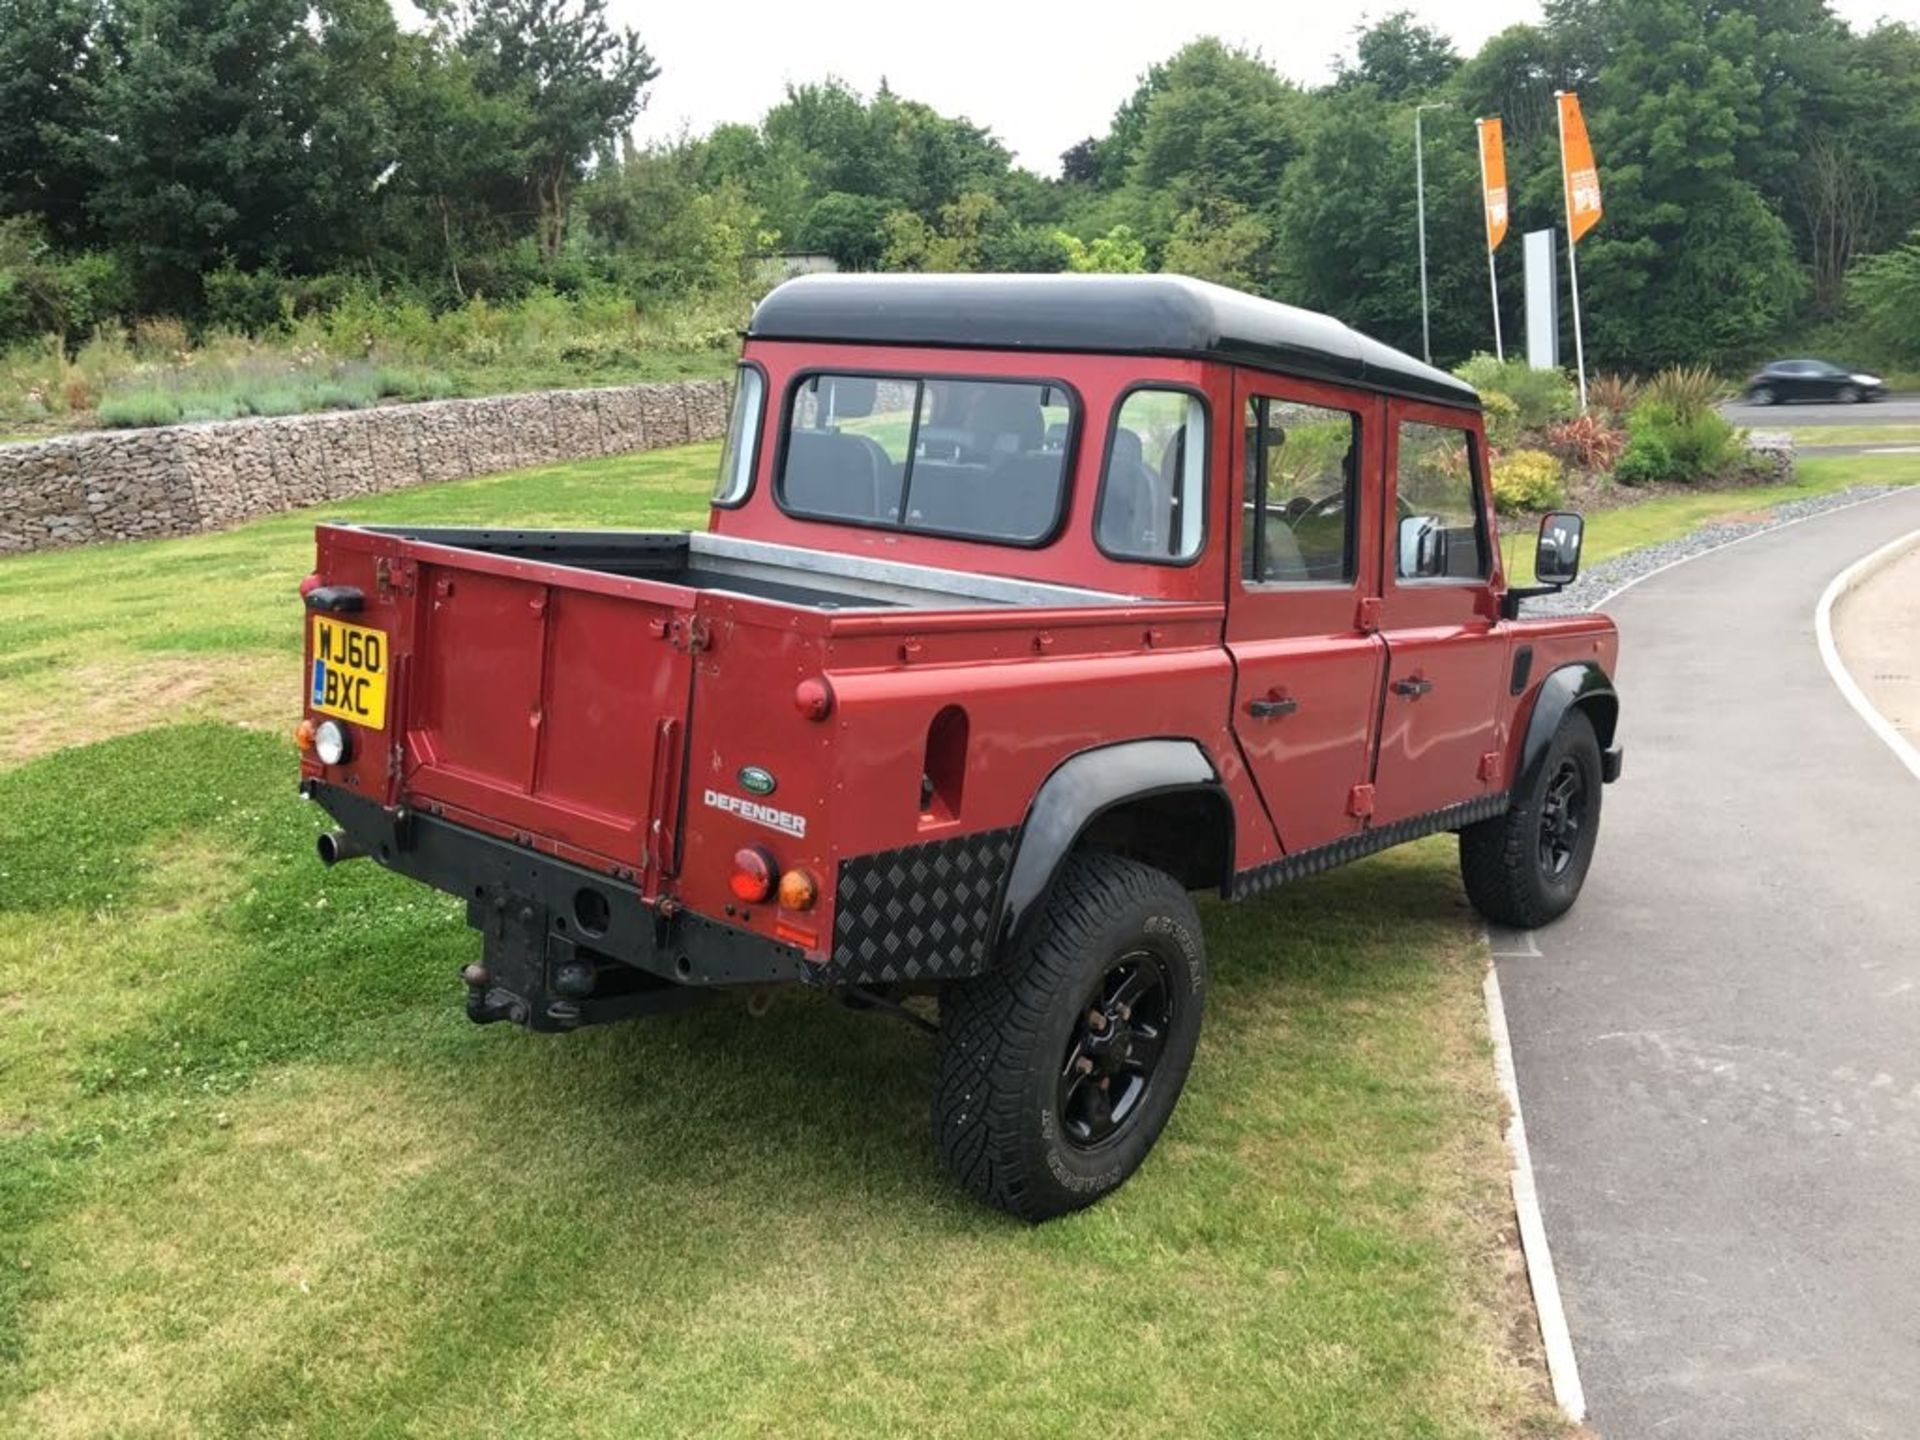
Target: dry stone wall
(141,484)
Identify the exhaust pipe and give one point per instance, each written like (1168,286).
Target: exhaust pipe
(335,846)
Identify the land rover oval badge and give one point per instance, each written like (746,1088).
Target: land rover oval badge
(756,781)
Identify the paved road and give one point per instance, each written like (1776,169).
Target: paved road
(1894,410)
(1877,628)
(1718,1051)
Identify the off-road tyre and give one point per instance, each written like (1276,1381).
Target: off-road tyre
(1505,861)
(1005,1119)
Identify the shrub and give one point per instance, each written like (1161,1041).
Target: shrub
(1526,480)
(1586,441)
(1685,389)
(1612,392)
(1663,443)
(1543,396)
(136,408)
(1502,416)
(1645,461)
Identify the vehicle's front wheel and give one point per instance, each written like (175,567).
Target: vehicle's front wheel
(1760,395)
(1526,867)
(1848,395)
(1058,1069)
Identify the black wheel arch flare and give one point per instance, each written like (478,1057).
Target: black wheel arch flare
(1090,785)
(1582,684)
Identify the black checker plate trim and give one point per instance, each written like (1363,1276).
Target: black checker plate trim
(1366,842)
(922,912)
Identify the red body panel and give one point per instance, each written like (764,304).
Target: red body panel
(606,719)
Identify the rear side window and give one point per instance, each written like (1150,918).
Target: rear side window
(1439,535)
(979,459)
(743,434)
(1302,469)
(1152,491)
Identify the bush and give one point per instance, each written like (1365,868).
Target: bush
(1502,416)
(1645,461)
(1543,396)
(137,408)
(1526,480)
(1666,444)
(1586,441)
(1613,393)
(1687,390)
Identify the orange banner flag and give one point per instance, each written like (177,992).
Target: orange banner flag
(1576,167)
(1493,180)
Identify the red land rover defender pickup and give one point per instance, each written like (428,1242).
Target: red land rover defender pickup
(1028,605)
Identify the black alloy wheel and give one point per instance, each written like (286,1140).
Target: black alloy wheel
(1115,1050)
(1563,816)
(1059,1066)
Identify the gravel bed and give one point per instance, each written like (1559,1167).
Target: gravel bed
(1603,579)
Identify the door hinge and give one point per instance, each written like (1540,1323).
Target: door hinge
(1368,615)
(1360,801)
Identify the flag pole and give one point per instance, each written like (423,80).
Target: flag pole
(1573,246)
(1493,275)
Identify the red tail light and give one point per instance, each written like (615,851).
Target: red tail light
(753,874)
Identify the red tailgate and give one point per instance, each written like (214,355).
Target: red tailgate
(553,701)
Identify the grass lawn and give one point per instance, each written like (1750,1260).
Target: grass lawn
(258,1175)
(1855,434)
(1668,517)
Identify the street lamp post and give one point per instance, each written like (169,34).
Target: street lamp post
(1420,201)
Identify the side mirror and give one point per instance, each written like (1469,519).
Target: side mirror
(1556,561)
(1422,547)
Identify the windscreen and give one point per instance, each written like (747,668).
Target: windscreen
(978,459)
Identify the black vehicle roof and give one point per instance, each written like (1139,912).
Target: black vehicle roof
(1101,314)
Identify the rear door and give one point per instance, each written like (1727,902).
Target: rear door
(1445,653)
(1307,674)
(552,701)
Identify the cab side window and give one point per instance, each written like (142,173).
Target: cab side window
(1302,476)
(1151,501)
(1438,532)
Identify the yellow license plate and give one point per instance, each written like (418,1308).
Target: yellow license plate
(349,676)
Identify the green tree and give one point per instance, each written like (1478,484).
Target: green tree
(575,79)
(233,130)
(850,228)
(1219,125)
(1400,58)
(1222,241)
(52,55)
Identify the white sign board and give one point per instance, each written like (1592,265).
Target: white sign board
(1543,301)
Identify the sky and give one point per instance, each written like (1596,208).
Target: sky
(1040,75)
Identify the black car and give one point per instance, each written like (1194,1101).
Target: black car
(1786,380)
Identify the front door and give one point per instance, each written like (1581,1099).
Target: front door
(1307,686)
(1446,658)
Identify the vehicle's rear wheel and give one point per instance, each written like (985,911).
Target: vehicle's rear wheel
(1058,1069)
(1760,395)
(1848,395)
(1526,867)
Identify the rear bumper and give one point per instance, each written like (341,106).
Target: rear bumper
(564,946)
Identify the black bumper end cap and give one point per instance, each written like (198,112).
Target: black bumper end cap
(1610,763)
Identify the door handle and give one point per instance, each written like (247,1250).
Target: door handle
(1413,687)
(1273,707)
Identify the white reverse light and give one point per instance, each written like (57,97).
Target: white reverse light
(330,742)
